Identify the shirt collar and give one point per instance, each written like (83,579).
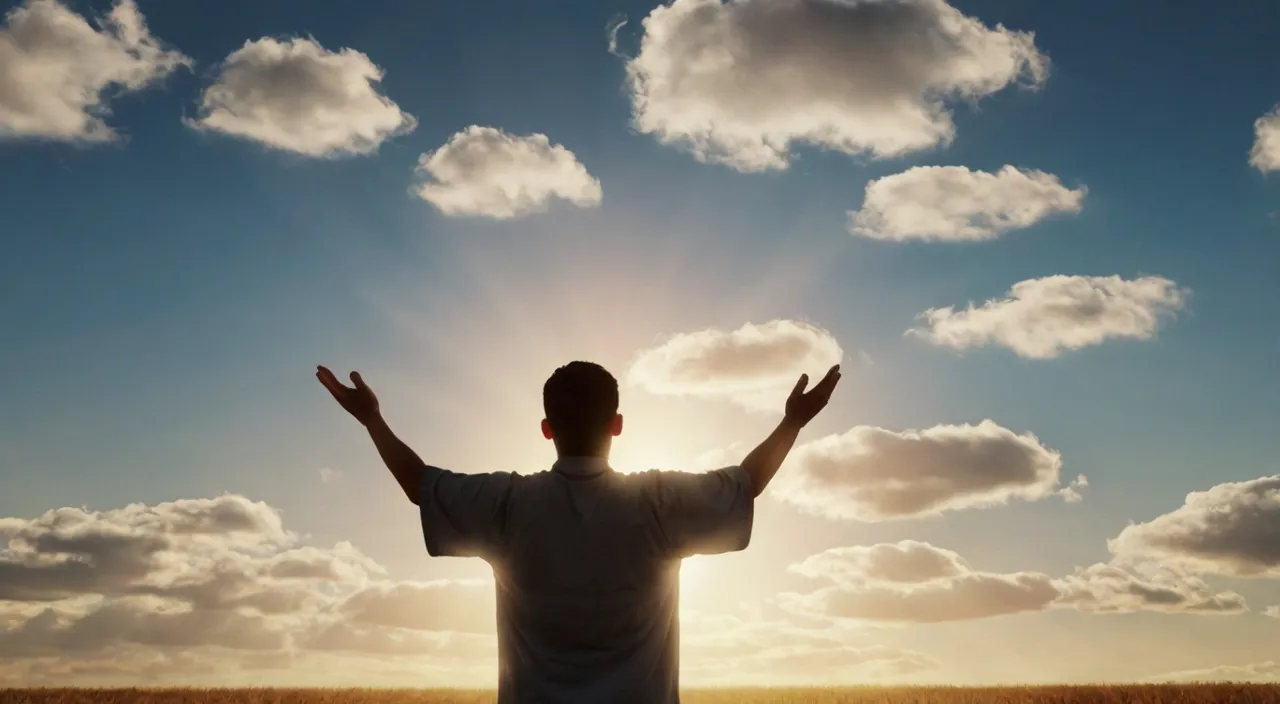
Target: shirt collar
(581,466)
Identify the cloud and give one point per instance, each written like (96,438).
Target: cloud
(212,577)
(873,474)
(328,475)
(443,605)
(905,561)
(1109,588)
(58,73)
(294,95)
(915,582)
(1041,318)
(1265,154)
(1252,672)
(955,204)
(1231,529)
(741,82)
(755,365)
(724,648)
(487,172)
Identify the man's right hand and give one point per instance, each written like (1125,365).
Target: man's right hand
(359,401)
(802,406)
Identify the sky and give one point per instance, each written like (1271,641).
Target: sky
(1041,240)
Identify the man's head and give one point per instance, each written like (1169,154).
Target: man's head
(581,403)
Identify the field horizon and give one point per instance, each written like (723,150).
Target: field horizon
(1194,693)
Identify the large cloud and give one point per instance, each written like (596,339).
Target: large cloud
(485,171)
(915,582)
(1265,154)
(297,96)
(58,73)
(755,365)
(209,576)
(873,474)
(1041,318)
(1231,529)
(956,204)
(740,82)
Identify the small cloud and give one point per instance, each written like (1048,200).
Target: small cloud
(1041,318)
(914,582)
(1113,588)
(755,365)
(1265,154)
(874,474)
(328,475)
(1071,493)
(955,204)
(294,95)
(58,72)
(486,172)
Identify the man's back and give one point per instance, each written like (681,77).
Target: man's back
(587,564)
(586,560)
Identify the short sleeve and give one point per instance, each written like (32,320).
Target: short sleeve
(704,513)
(463,515)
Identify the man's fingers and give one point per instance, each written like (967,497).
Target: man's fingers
(803,382)
(359,381)
(330,381)
(828,383)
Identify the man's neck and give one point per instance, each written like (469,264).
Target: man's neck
(581,465)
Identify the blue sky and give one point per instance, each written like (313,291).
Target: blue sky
(166,295)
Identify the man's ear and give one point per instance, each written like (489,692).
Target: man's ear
(615,426)
(546,429)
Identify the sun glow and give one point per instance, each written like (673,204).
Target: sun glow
(693,574)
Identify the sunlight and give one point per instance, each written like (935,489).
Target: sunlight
(693,575)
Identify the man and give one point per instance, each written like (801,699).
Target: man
(586,560)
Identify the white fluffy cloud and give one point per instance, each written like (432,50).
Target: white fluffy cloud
(297,96)
(741,82)
(485,171)
(955,204)
(1265,155)
(1231,529)
(873,474)
(207,579)
(58,72)
(916,582)
(755,365)
(1041,318)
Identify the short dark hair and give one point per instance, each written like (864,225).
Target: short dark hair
(580,400)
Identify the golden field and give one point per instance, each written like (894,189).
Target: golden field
(1103,694)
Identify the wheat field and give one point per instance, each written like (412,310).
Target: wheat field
(1103,694)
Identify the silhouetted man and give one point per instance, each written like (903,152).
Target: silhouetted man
(586,560)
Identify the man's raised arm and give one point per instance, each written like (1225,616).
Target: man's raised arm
(362,404)
(763,462)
